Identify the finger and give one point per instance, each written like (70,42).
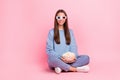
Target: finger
(63,58)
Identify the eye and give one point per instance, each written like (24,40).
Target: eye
(57,17)
(64,17)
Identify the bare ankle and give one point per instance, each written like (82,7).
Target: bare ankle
(73,69)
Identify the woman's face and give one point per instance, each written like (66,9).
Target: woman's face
(61,18)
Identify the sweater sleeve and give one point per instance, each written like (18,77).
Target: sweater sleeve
(73,45)
(49,46)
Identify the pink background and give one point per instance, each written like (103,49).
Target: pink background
(24,25)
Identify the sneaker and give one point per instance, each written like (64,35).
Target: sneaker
(58,70)
(83,69)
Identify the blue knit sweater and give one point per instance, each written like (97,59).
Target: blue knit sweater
(57,50)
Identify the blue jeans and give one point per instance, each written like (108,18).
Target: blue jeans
(56,62)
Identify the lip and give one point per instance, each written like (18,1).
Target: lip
(60,22)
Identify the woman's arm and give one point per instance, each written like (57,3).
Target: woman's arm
(73,45)
(49,46)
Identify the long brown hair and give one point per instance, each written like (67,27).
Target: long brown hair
(66,29)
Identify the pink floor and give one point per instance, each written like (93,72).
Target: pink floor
(18,69)
(100,70)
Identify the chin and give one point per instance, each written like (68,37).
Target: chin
(61,24)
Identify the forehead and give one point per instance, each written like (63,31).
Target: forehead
(60,14)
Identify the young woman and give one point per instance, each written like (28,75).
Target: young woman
(61,40)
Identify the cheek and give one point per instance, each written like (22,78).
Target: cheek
(58,21)
(63,20)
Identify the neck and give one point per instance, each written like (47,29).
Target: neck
(60,27)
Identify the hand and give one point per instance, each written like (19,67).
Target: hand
(64,60)
(67,60)
(71,61)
